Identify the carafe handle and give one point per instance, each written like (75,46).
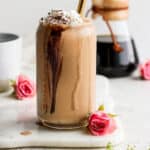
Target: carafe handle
(136,57)
(133,65)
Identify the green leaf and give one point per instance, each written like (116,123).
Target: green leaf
(109,146)
(12,82)
(112,115)
(131,147)
(101,108)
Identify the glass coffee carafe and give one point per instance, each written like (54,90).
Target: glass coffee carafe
(116,51)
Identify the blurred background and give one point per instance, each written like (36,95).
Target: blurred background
(22,16)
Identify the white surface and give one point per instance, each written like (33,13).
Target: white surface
(103,94)
(22,17)
(18,116)
(132,102)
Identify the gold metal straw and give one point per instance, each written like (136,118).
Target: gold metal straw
(81,7)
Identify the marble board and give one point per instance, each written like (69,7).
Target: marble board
(19,128)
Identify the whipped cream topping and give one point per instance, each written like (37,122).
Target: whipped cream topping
(59,17)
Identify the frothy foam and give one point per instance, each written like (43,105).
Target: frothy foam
(58,17)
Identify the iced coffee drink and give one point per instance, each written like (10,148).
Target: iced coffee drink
(66,69)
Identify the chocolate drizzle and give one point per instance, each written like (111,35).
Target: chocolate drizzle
(76,87)
(55,61)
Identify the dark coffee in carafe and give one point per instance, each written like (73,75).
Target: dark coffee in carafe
(112,63)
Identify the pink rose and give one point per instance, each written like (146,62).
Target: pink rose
(101,123)
(145,70)
(24,87)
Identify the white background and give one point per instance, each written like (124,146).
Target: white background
(21,17)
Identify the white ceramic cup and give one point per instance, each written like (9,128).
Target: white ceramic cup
(10,58)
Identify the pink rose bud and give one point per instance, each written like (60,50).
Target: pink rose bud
(101,123)
(145,70)
(24,87)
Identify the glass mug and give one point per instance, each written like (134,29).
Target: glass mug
(66,96)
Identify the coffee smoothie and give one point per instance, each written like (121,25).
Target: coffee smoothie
(66,69)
